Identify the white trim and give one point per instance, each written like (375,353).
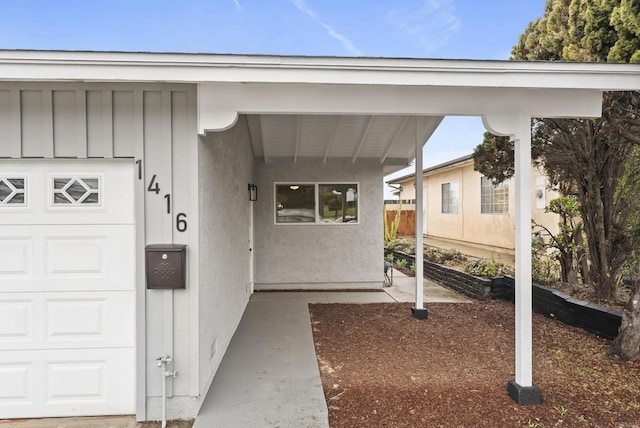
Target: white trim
(316,185)
(193,68)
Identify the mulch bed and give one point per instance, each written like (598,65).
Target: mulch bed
(381,367)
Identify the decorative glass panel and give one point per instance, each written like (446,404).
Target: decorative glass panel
(338,203)
(12,191)
(76,191)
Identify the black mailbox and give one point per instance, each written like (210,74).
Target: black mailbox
(166,266)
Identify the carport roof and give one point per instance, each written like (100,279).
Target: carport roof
(332,107)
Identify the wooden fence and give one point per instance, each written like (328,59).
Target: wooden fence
(407,226)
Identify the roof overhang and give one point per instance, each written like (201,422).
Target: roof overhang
(330,107)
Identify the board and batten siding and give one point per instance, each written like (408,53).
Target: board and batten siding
(154,125)
(75,120)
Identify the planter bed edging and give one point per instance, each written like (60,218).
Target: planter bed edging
(547,301)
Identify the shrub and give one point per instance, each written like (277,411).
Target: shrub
(486,268)
(405,245)
(401,263)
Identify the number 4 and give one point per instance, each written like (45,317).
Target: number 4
(153,186)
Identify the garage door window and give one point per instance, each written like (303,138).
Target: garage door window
(12,191)
(76,190)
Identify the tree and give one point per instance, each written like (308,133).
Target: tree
(591,157)
(567,243)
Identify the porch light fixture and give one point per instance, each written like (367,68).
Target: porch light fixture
(253,192)
(294,187)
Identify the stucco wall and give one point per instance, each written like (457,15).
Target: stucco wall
(319,256)
(225,168)
(470,228)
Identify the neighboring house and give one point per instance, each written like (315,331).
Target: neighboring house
(466,211)
(268,169)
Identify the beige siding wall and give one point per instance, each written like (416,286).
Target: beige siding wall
(470,229)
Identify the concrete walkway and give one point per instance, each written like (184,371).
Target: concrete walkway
(404,290)
(269,375)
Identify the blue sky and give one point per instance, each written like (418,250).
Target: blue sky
(456,29)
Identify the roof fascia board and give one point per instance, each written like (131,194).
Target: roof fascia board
(202,68)
(445,166)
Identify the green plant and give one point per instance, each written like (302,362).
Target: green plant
(486,268)
(407,246)
(544,266)
(391,229)
(559,354)
(401,263)
(389,258)
(535,424)
(412,268)
(562,411)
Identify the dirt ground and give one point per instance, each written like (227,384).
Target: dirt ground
(381,367)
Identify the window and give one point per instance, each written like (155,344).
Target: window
(76,190)
(12,191)
(450,198)
(494,197)
(324,203)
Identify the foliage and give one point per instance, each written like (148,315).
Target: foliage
(401,263)
(442,256)
(389,258)
(406,246)
(567,246)
(544,267)
(588,157)
(494,157)
(391,230)
(487,268)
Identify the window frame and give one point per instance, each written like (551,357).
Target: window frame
(442,198)
(491,184)
(317,219)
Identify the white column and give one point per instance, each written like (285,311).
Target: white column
(419,222)
(522,142)
(517,125)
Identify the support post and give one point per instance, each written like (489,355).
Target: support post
(522,389)
(518,127)
(419,310)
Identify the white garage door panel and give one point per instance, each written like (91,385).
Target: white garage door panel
(66,258)
(67,288)
(115,192)
(72,382)
(66,320)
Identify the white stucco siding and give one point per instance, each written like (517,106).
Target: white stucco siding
(225,169)
(319,256)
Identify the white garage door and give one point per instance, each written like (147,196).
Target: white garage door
(67,269)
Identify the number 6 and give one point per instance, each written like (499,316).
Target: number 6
(181,222)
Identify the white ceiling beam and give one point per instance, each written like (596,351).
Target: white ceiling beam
(363,138)
(255,134)
(393,140)
(331,139)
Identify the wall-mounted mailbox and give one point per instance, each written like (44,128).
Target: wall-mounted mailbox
(166,266)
